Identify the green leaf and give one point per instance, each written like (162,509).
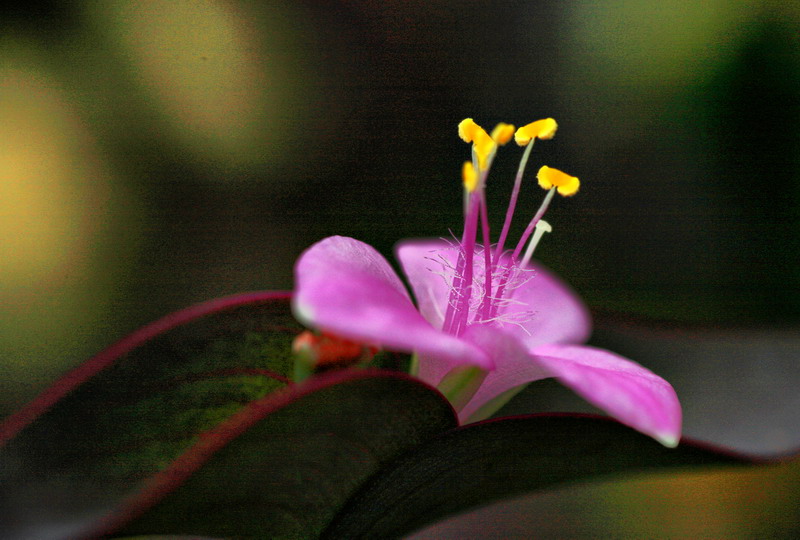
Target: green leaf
(497,459)
(190,427)
(295,458)
(113,422)
(113,437)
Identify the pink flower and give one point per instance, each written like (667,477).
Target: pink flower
(487,321)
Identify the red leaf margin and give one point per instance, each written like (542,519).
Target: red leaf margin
(184,466)
(211,441)
(15,423)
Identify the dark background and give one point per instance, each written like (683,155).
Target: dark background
(160,153)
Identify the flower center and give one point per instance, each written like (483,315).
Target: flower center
(484,277)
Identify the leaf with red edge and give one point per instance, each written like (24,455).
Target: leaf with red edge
(190,426)
(114,421)
(284,466)
(497,459)
(112,437)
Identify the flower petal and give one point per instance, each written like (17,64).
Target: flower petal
(627,391)
(345,287)
(559,314)
(426,264)
(514,368)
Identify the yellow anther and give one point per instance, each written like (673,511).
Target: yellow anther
(469,176)
(467,129)
(548,178)
(482,143)
(484,146)
(542,129)
(502,133)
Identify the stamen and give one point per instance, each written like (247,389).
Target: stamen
(469,177)
(567,185)
(483,146)
(541,227)
(461,315)
(529,229)
(467,130)
(455,286)
(512,276)
(543,129)
(502,133)
(452,277)
(487,256)
(512,204)
(468,303)
(457,314)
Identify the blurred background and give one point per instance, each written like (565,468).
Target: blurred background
(158,153)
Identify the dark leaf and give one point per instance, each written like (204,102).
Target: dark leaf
(287,464)
(129,427)
(124,415)
(190,426)
(483,462)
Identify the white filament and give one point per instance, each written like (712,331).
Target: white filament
(541,227)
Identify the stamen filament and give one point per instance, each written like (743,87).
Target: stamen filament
(487,255)
(461,315)
(521,244)
(532,224)
(455,286)
(513,202)
(541,227)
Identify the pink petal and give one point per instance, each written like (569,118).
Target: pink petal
(559,314)
(514,366)
(424,263)
(346,287)
(627,391)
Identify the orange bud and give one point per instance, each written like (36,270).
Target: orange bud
(327,349)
